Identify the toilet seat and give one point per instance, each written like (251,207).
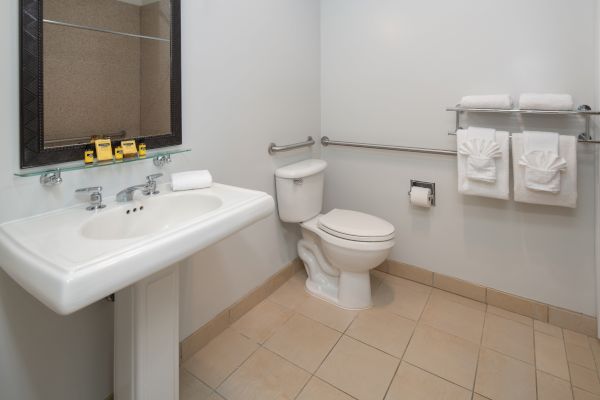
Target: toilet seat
(356,226)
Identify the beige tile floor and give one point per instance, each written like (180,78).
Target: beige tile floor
(416,343)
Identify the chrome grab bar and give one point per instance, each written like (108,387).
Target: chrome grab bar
(325,141)
(273,148)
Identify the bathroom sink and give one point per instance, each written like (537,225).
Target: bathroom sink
(153,215)
(71,257)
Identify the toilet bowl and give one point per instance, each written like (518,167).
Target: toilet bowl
(338,248)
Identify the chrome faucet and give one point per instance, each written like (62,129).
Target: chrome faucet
(147,189)
(95,197)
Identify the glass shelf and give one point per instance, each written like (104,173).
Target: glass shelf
(151,155)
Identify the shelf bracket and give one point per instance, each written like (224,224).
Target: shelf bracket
(51,178)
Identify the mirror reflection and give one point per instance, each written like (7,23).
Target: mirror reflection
(106,70)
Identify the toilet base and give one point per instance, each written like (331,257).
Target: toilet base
(348,290)
(354,294)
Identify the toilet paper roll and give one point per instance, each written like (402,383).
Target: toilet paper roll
(419,196)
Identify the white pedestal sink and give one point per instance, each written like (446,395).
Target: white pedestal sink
(71,258)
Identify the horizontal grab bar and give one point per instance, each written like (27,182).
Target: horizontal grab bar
(273,148)
(325,141)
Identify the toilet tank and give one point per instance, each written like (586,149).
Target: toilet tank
(300,190)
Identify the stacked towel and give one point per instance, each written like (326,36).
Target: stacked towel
(542,162)
(546,102)
(483,163)
(190,180)
(481,149)
(501,101)
(537,169)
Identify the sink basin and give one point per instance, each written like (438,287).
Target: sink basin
(71,257)
(153,215)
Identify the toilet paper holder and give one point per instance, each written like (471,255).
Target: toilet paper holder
(427,185)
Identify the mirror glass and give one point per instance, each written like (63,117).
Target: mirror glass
(106,70)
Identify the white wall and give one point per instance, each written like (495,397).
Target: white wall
(250,76)
(391,67)
(251,72)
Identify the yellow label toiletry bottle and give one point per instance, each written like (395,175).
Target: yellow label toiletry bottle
(88,154)
(118,152)
(104,150)
(141,148)
(129,148)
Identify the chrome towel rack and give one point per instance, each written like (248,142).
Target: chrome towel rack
(273,148)
(580,140)
(584,111)
(325,141)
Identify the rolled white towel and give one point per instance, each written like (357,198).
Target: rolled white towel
(190,180)
(546,102)
(501,101)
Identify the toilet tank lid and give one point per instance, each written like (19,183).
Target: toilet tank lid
(301,169)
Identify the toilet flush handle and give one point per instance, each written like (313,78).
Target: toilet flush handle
(298,181)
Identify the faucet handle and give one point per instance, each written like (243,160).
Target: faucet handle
(95,197)
(151,184)
(153,177)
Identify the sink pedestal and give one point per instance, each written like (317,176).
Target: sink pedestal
(147,338)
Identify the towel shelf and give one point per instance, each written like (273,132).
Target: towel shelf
(581,110)
(580,140)
(584,111)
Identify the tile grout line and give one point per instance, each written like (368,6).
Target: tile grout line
(234,371)
(319,366)
(407,344)
(564,342)
(593,357)
(437,376)
(569,365)
(485,317)
(535,370)
(259,346)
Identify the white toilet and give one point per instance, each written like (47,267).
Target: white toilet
(338,248)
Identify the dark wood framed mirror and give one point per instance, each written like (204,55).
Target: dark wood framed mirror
(94,69)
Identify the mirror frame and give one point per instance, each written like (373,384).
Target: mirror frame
(32,150)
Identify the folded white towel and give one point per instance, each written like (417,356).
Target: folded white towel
(191,180)
(498,189)
(567,195)
(501,101)
(546,102)
(542,170)
(542,162)
(540,141)
(481,150)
